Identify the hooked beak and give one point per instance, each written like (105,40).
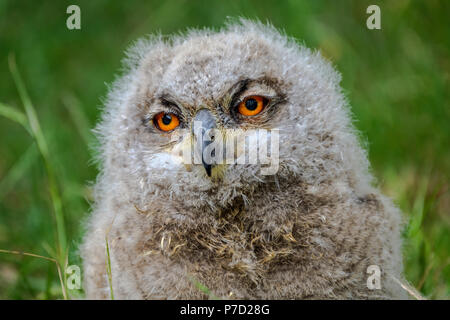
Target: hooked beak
(204,124)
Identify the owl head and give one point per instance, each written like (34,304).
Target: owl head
(242,80)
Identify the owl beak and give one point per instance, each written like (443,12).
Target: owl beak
(204,123)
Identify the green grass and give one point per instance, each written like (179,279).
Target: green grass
(108,269)
(396,79)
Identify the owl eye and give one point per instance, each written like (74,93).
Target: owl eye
(252,105)
(166,121)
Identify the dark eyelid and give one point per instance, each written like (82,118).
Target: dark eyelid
(168,103)
(167,106)
(171,106)
(242,86)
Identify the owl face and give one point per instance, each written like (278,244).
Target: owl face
(222,135)
(181,96)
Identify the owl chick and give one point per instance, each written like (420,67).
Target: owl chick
(310,230)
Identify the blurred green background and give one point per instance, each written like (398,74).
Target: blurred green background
(396,79)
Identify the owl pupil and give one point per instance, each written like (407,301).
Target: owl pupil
(166,119)
(251,104)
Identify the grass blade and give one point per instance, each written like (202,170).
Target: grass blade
(61,281)
(203,288)
(73,106)
(14,115)
(18,170)
(43,148)
(108,269)
(410,289)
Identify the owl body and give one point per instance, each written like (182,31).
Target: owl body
(308,231)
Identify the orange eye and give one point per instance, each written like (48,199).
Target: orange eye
(166,121)
(252,105)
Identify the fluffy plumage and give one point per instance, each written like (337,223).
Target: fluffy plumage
(310,231)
